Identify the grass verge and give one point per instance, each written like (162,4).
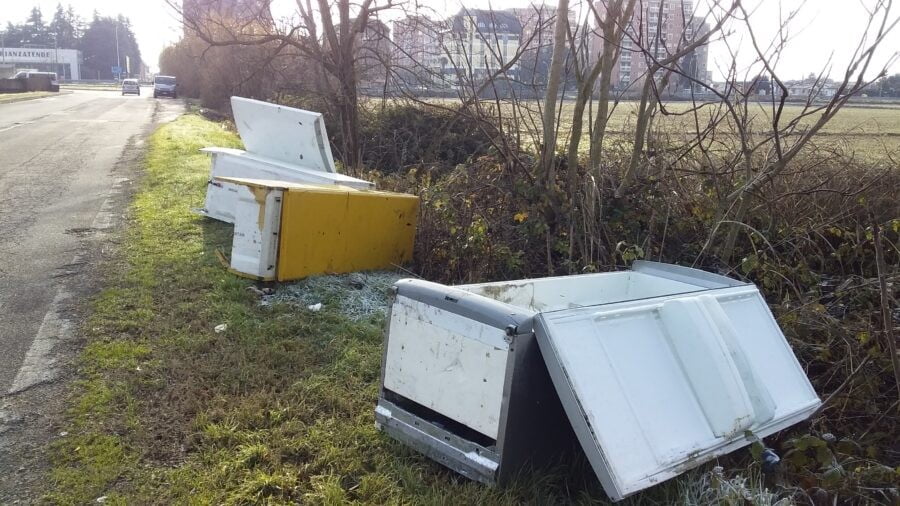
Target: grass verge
(91,87)
(276,409)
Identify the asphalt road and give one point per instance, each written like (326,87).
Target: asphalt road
(66,163)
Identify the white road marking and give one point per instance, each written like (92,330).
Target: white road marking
(39,365)
(16,125)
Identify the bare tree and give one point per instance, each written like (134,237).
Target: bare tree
(789,137)
(548,153)
(612,25)
(659,71)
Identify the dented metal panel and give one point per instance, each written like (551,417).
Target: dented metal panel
(657,386)
(328,229)
(448,433)
(448,363)
(290,135)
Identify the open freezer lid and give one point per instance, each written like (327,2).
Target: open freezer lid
(283,133)
(656,386)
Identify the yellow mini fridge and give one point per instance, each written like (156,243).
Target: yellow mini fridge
(285,231)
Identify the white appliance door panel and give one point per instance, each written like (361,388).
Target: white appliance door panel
(656,386)
(448,363)
(283,133)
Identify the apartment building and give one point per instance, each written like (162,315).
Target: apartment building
(696,64)
(418,52)
(372,52)
(483,41)
(476,43)
(658,28)
(539,23)
(471,45)
(538,28)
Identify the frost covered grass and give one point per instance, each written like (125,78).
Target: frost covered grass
(358,296)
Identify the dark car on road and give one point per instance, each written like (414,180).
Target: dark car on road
(164,85)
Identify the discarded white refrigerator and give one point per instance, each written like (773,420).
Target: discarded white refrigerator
(286,231)
(656,370)
(282,144)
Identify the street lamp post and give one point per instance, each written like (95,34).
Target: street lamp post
(118,61)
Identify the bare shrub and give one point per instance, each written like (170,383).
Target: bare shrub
(214,74)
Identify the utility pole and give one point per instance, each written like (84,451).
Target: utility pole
(118,61)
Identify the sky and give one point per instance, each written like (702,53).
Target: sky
(823,29)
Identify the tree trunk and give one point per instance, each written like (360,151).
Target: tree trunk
(584,94)
(552,96)
(348,87)
(350,119)
(602,112)
(642,127)
(613,28)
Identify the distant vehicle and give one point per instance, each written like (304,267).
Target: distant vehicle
(164,85)
(54,79)
(131,86)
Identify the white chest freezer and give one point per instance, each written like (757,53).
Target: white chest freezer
(656,370)
(282,144)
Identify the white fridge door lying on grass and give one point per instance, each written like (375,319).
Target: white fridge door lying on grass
(283,133)
(656,386)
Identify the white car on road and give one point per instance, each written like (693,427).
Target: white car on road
(131,86)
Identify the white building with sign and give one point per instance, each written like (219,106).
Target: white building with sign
(65,62)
